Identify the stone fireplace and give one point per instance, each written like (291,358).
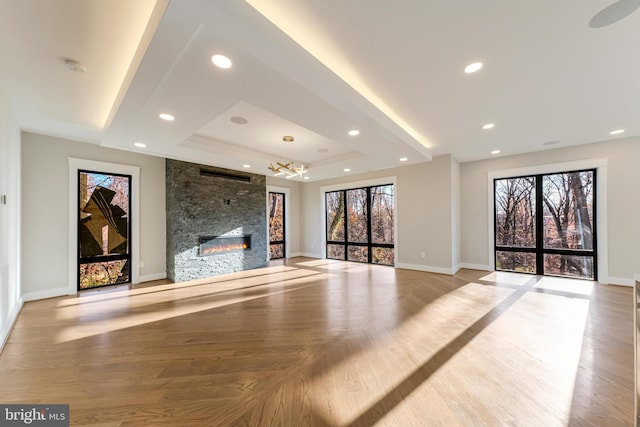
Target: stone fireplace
(216,221)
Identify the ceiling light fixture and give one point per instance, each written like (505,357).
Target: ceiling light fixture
(221,61)
(488,126)
(472,68)
(495,152)
(354,132)
(166,117)
(246,166)
(140,144)
(403,159)
(555,141)
(74,66)
(616,132)
(239,120)
(288,168)
(306,177)
(347,170)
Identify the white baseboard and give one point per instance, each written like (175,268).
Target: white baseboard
(49,293)
(295,254)
(310,255)
(427,268)
(620,281)
(7,325)
(152,277)
(470,266)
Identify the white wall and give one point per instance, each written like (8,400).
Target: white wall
(425,200)
(45,210)
(294,216)
(623,203)
(10,293)
(455,214)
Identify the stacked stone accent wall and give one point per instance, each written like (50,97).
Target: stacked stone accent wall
(200,206)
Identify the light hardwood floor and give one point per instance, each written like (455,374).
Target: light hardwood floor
(330,343)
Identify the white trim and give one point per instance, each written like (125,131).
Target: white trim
(9,322)
(619,281)
(134,171)
(359,184)
(48,293)
(426,268)
(311,255)
(287,200)
(151,277)
(600,164)
(470,266)
(548,168)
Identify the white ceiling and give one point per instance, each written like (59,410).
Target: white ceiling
(314,70)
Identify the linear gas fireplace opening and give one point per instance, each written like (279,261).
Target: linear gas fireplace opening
(213,245)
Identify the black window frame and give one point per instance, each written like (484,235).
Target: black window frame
(104,258)
(539,250)
(346,243)
(284,227)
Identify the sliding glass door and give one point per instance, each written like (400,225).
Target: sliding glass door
(546,224)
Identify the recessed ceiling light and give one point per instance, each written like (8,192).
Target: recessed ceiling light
(616,132)
(488,126)
(167,117)
(246,166)
(472,68)
(354,132)
(306,177)
(347,170)
(323,150)
(239,120)
(140,144)
(495,152)
(403,159)
(221,61)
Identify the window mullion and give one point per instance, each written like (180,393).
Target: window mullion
(539,226)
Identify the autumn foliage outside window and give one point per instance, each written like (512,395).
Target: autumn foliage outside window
(276,226)
(360,224)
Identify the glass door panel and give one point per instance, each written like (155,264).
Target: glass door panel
(276,225)
(104,256)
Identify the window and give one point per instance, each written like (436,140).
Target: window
(359,224)
(545,224)
(276,225)
(104,208)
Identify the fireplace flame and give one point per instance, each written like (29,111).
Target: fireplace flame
(224,248)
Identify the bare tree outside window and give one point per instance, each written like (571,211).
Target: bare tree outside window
(360,224)
(544,224)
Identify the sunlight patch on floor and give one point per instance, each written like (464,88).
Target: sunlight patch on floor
(178,303)
(508,278)
(346,388)
(573,286)
(109,304)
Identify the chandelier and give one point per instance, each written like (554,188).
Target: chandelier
(289,168)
